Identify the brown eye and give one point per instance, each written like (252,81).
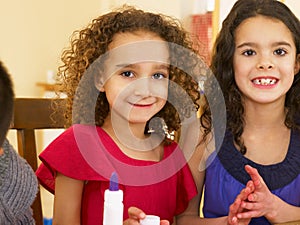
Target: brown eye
(127,74)
(280,51)
(249,52)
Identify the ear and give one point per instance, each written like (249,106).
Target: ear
(99,84)
(297,64)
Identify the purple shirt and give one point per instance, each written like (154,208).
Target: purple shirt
(226,177)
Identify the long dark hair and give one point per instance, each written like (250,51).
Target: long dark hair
(222,62)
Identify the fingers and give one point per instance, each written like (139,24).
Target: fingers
(233,210)
(131,222)
(136,213)
(248,190)
(252,197)
(250,186)
(247,214)
(234,207)
(251,201)
(164,222)
(255,177)
(233,220)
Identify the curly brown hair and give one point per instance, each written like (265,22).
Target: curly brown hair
(90,43)
(222,63)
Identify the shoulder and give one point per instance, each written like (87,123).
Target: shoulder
(78,145)
(18,180)
(11,161)
(15,162)
(5,157)
(69,137)
(79,131)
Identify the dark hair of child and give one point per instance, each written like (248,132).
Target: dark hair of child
(6,102)
(222,63)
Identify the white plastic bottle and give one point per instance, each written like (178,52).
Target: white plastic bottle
(113,203)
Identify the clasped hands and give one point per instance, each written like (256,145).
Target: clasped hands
(255,200)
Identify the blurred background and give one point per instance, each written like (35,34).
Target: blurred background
(34,33)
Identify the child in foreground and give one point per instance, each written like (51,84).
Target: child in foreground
(254,177)
(131,80)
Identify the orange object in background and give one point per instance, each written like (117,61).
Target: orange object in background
(202,27)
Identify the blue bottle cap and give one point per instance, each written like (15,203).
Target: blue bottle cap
(113,182)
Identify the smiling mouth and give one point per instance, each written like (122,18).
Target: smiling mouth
(141,105)
(264,81)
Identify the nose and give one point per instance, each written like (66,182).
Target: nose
(265,63)
(142,87)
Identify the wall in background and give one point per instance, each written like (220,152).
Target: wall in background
(294,5)
(33,34)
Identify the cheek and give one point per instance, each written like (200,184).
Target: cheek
(162,102)
(241,72)
(291,80)
(113,95)
(237,78)
(110,99)
(160,90)
(288,74)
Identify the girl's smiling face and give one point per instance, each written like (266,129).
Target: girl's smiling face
(265,60)
(137,82)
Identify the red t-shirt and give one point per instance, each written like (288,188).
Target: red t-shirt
(88,153)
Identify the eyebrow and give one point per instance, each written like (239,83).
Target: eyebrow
(252,44)
(133,65)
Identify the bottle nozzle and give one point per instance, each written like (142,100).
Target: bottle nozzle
(113,182)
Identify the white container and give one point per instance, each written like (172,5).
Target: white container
(150,220)
(113,207)
(113,203)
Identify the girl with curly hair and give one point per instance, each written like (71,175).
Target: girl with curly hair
(131,80)
(254,177)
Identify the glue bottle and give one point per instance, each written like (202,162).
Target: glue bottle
(113,203)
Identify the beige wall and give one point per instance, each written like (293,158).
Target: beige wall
(33,33)
(294,5)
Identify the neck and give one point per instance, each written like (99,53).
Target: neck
(268,116)
(132,141)
(122,127)
(130,136)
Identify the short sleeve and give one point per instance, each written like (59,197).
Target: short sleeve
(64,156)
(187,189)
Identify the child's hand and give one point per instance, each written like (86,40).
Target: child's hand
(261,201)
(236,208)
(136,214)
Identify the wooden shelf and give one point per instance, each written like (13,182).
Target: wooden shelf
(47,86)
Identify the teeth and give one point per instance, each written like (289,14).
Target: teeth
(264,81)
